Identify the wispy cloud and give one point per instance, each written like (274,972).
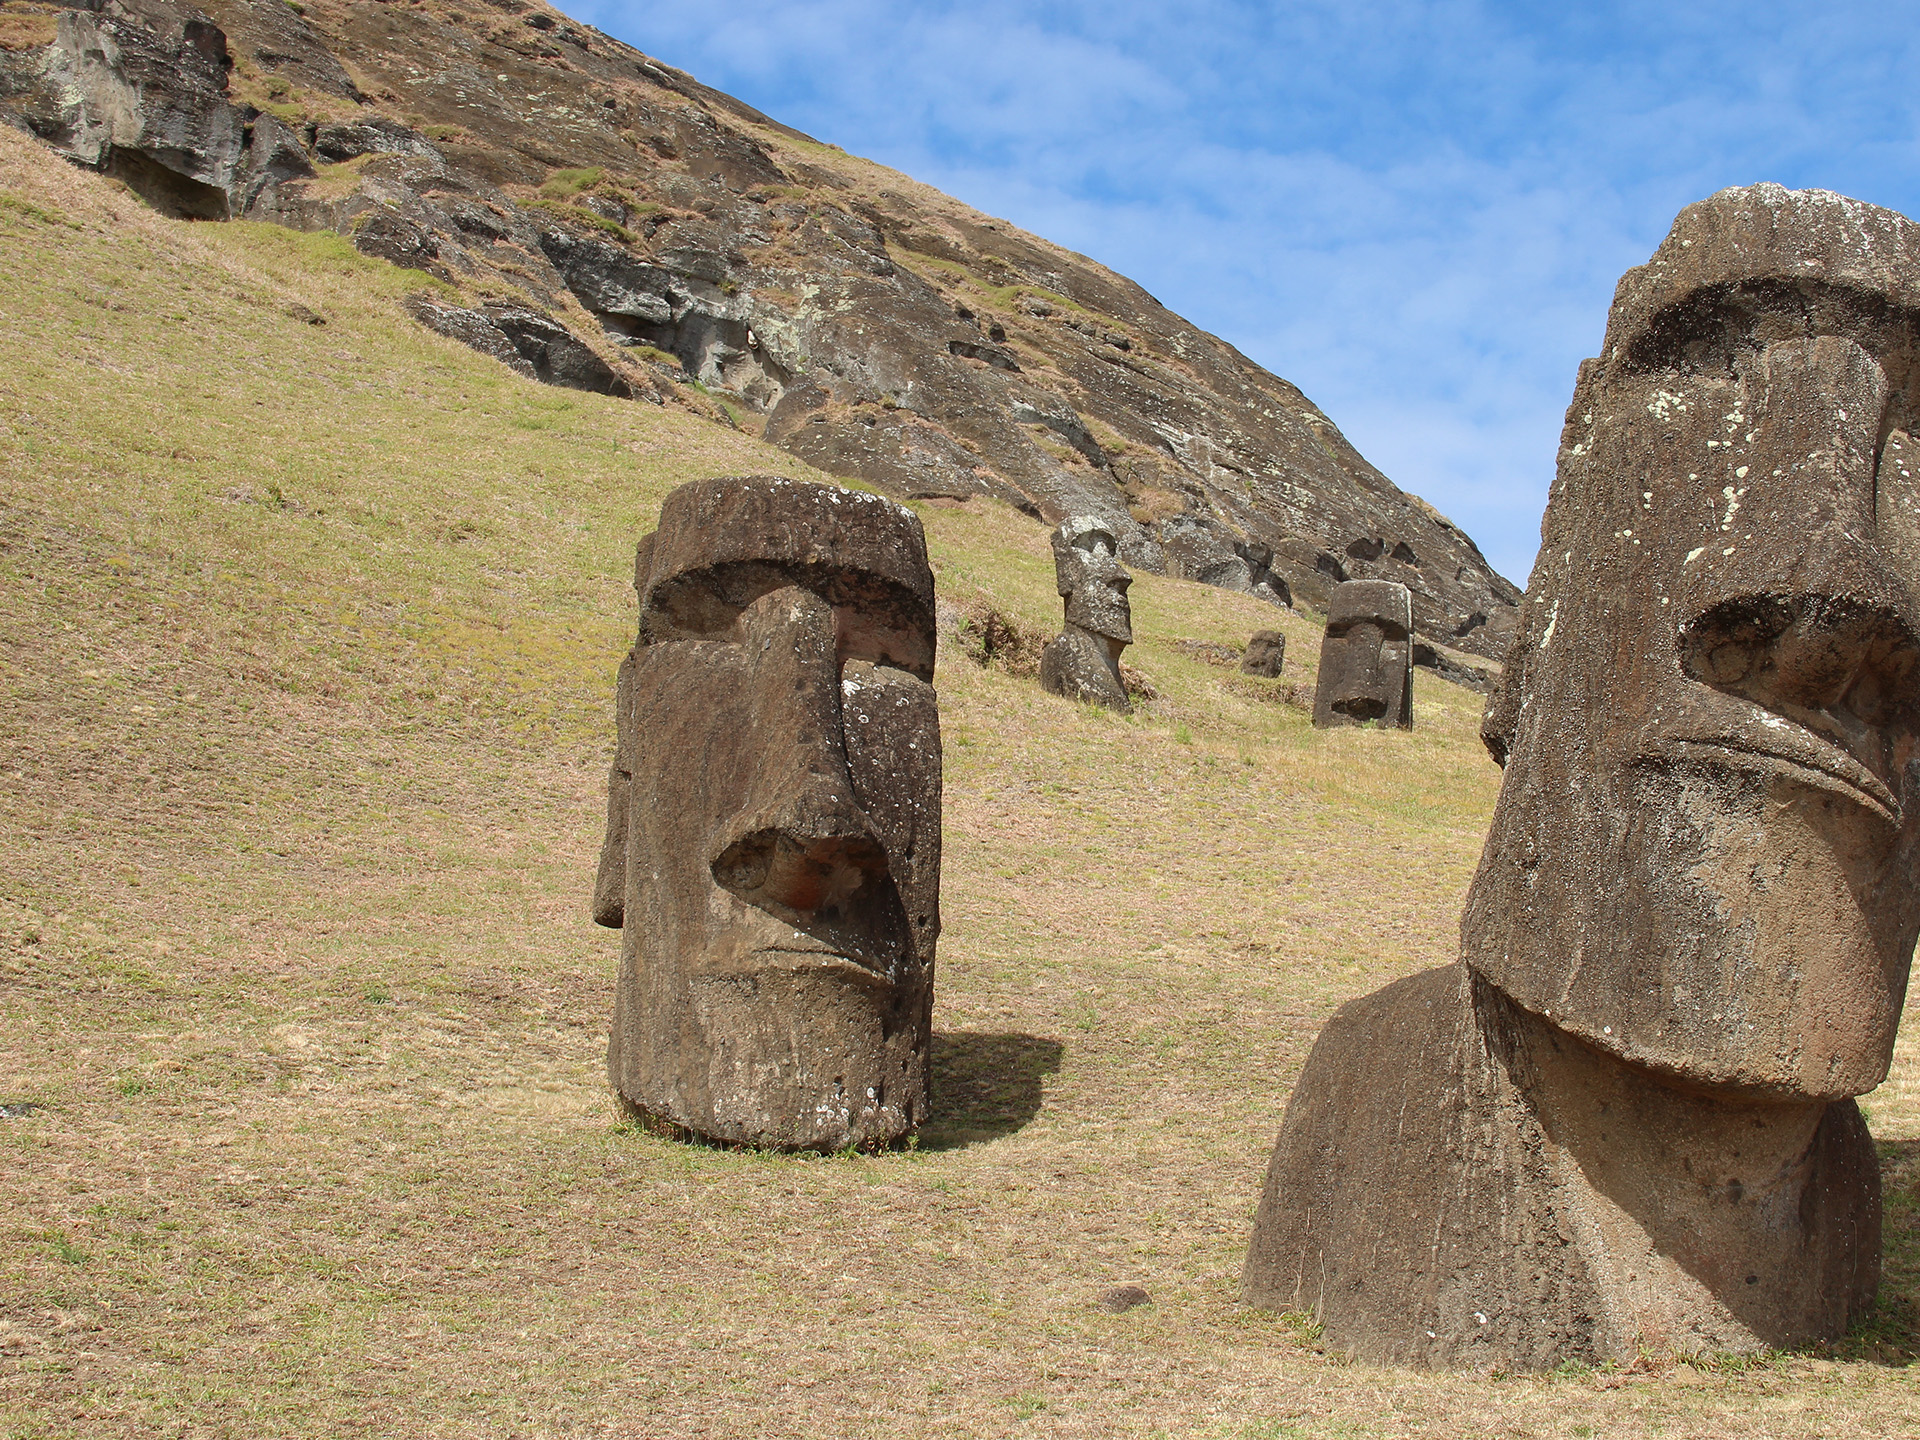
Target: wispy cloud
(1414,211)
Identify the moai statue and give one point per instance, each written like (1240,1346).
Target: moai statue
(1083,663)
(1625,1118)
(1265,653)
(1366,661)
(773,832)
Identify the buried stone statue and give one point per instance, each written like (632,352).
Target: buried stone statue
(1366,659)
(1083,662)
(1625,1118)
(773,826)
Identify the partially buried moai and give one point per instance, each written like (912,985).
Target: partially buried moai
(1083,662)
(1266,654)
(1366,659)
(773,829)
(1625,1118)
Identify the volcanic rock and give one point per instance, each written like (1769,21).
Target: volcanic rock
(1625,1119)
(1083,663)
(773,820)
(1266,652)
(1366,661)
(869,326)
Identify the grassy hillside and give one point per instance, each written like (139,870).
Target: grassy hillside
(307,636)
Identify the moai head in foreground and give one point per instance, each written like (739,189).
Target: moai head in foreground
(1627,1112)
(1366,660)
(1084,662)
(777,852)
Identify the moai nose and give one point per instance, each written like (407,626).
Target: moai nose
(802,847)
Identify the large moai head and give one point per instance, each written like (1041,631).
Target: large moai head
(1366,659)
(1090,578)
(781,855)
(1704,857)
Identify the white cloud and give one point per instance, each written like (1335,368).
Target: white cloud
(1414,211)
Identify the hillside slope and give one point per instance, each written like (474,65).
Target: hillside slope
(609,223)
(308,624)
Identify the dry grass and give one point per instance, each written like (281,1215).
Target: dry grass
(307,633)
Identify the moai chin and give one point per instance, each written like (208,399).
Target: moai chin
(1083,662)
(1366,660)
(773,835)
(1625,1118)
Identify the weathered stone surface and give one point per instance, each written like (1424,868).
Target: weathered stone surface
(142,94)
(1452,669)
(774,820)
(1366,660)
(1459,1184)
(555,354)
(470,327)
(896,337)
(1626,1117)
(1266,652)
(1083,662)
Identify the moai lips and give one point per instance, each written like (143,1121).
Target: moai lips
(1366,659)
(1083,663)
(1625,1118)
(778,846)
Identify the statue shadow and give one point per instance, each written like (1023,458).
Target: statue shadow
(1889,1334)
(985,1084)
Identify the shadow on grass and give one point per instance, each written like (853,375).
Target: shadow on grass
(1890,1333)
(985,1084)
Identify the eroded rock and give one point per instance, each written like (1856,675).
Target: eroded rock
(773,825)
(1625,1119)
(1366,659)
(1083,662)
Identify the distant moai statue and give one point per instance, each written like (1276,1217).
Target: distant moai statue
(1625,1118)
(772,851)
(1366,660)
(1083,662)
(1266,652)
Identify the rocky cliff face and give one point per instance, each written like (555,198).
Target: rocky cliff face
(606,222)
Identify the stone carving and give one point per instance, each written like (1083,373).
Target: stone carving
(1366,661)
(1265,653)
(773,829)
(1083,663)
(1626,1117)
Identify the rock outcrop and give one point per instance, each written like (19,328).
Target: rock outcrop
(772,853)
(1625,1118)
(713,258)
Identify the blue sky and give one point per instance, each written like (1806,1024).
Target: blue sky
(1415,212)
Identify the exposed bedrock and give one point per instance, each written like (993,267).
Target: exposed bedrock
(711,256)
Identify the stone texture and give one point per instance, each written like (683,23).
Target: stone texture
(773,832)
(141,89)
(884,333)
(1366,659)
(1626,1117)
(1083,662)
(1266,652)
